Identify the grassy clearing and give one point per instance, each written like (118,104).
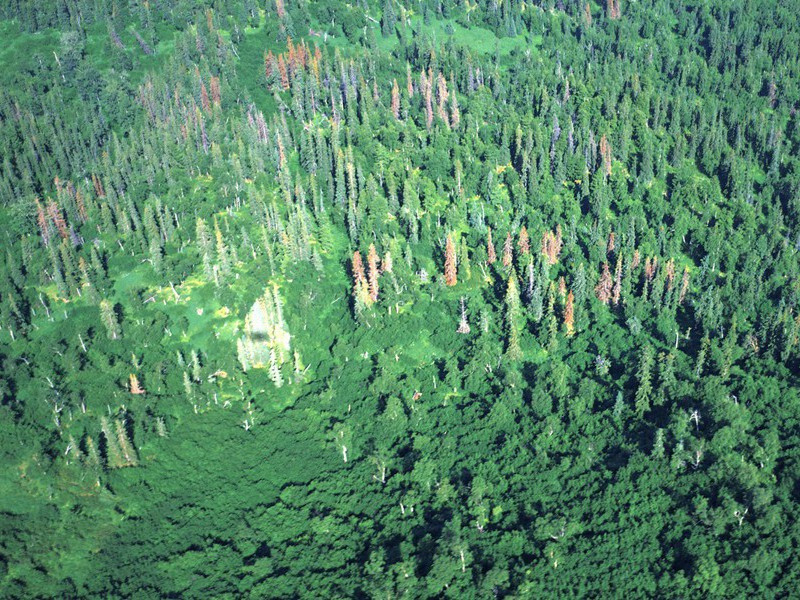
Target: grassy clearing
(477,39)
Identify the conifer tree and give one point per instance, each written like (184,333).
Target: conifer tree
(562,289)
(684,285)
(728,347)
(156,256)
(396,100)
(617,290)
(361,293)
(205,245)
(579,285)
(283,73)
(109,319)
(603,289)
(455,113)
(513,349)
(43,222)
(196,360)
(135,386)
(490,253)
(14,270)
(442,95)
(204,101)
(658,444)
(667,377)
(187,382)
(450,273)
(358,270)
(702,355)
(372,272)
(92,455)
(508,251)
(275,374)
(124,444)
(569,314)
(551,245)
(223,260)
(114,457)
(426,87)
(644,375)
(388,18)
(605,150)
(463,326)
(58,275)
(635,261)
(524,242)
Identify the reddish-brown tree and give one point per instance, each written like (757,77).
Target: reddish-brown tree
(603,287)
(427,93)
(772,93)
(637,258)
(605,152)
(269,62)
(569,314)
(283,73)
(455,113)
(524,243)
(204,97)
(508,251)
(216,96)
(491,256)
(442,94)
(358,269)
(81,205)
(650,266)
(281,153)
(361,290)
(58,219)
(136,387)
(98,186)
(41,219)
(670,272)
(551,245)
(396,100)
(372,272)
(450,271)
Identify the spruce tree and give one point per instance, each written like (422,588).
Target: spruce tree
(644,376)
(513,317)
(109,319)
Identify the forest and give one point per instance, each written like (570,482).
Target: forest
(306,299)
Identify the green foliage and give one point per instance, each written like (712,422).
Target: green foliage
(203,394)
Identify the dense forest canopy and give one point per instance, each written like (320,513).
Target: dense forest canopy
(399,299)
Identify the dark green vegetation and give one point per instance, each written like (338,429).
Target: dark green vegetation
(237,240)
